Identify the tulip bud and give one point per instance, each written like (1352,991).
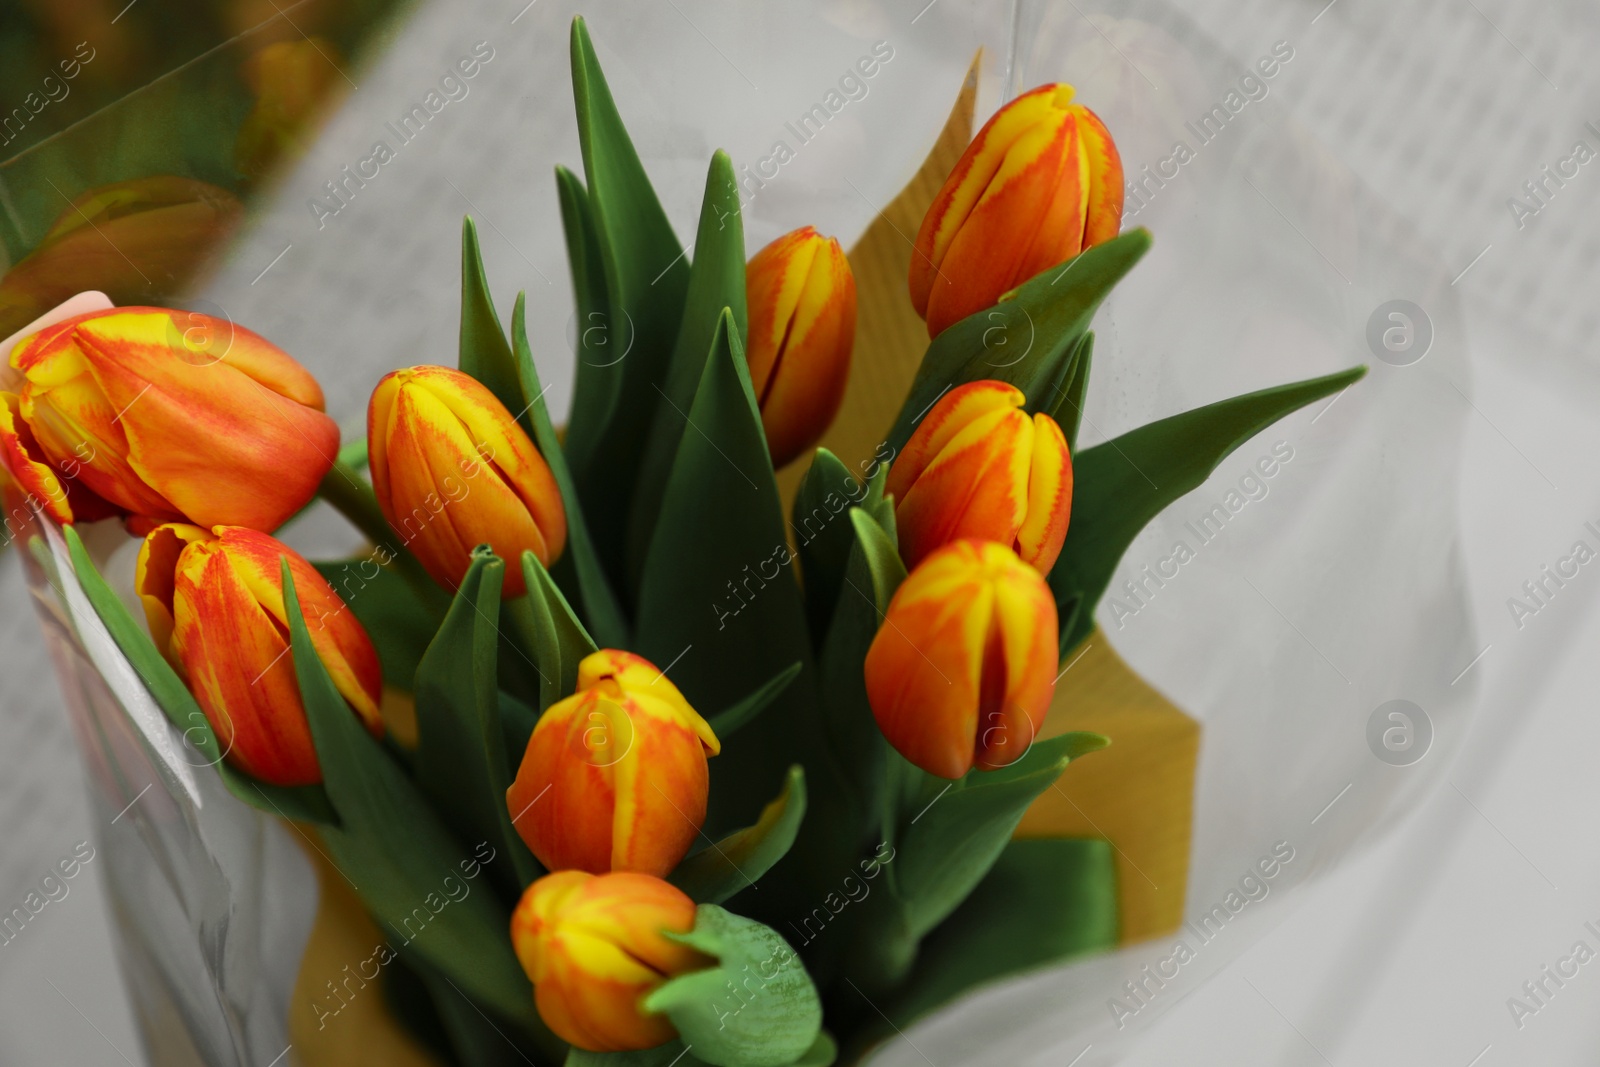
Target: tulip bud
(134,241)
(214,604)
(452,470)
(1040,183)
(595,947)
(963,668)
(802,300)
(979,466)
(165,416)
(614,777)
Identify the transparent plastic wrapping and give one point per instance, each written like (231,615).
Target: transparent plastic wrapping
(1319,581)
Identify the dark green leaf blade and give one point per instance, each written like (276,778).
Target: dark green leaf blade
(647,277)
(946,836)
(484,354)
(719,1014)
(579,565)
(1045,901)
(716,281)
(1068,407)
(738,861)
(400,858)
(1121,485)
(548,633)
(594,390)
(827,491)
(1024,339)
(727,722)
(719,598)
(461,756)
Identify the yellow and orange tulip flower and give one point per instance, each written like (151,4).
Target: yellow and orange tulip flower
(614,777)
(963,668)
(214,604)
(1040,183)
(595,947)
(802,299)
(164,416)
(452,470)
(979,466)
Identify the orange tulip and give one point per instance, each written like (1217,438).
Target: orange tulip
(135,241)
(802,300)
(963,668)
(978,466)
(165,416)
(452,470)
(214,603)
(615,776)
(595,947)
(1040,183)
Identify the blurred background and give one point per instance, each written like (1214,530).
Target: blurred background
(224,156)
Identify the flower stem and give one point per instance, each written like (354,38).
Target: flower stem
(351,495)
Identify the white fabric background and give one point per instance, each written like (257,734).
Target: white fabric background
(1443,108)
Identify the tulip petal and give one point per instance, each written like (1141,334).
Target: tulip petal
(775,278)
(1049,502)
(977,486)
(1103,213)
(1025,620)
(952,413)
(661,790)
(803,392)
(969,181)
(63,500)
(562,799)
(155,580)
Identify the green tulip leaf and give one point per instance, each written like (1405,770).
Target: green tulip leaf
(719,604)
(301,803)
(484,354)
(1119,486)
(756,1008)
(475,1039)
(727,722)
(1045,901)
(945,838)
(578,568)
(547,633)
(1026,338)
(595,389)
(1068,408)
(400,624)
(716,281)
(827,491)
(517,721)
(735,863)
(461,756)
(415,878)
(647,279)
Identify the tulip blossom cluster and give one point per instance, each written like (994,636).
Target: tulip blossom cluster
(519,570)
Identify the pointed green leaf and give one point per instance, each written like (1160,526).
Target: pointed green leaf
(579,565)
(727,722)
(1069,397)
(1121,485)
(738,861)
(595,388)
(461,756)
(825,537)
(756,1008)
(1045,901)
(647,277)
(719,599)
(716,281)
(548,633)
(304,803)
(1024,339)
(414,877)
(485,355)
(946,836)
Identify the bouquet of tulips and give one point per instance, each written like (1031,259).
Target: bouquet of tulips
(631,759)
